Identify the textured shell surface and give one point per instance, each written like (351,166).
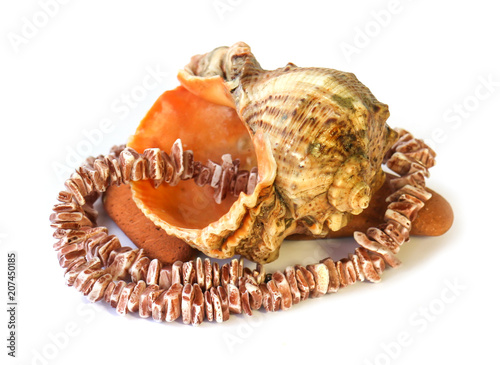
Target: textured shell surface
(322,132)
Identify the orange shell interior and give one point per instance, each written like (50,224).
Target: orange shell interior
(205,123)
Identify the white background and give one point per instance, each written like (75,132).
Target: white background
(65,71)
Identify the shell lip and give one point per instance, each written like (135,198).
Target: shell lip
(210,88)
(230,221)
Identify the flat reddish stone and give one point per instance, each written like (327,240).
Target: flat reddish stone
(142,232)
(434,219)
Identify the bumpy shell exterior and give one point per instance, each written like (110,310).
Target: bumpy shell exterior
(322,129)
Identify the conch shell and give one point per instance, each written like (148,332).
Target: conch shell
(317,136)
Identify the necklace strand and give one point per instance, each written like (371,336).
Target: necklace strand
(97,265)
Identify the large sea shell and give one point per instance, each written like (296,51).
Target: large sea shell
(318,137)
